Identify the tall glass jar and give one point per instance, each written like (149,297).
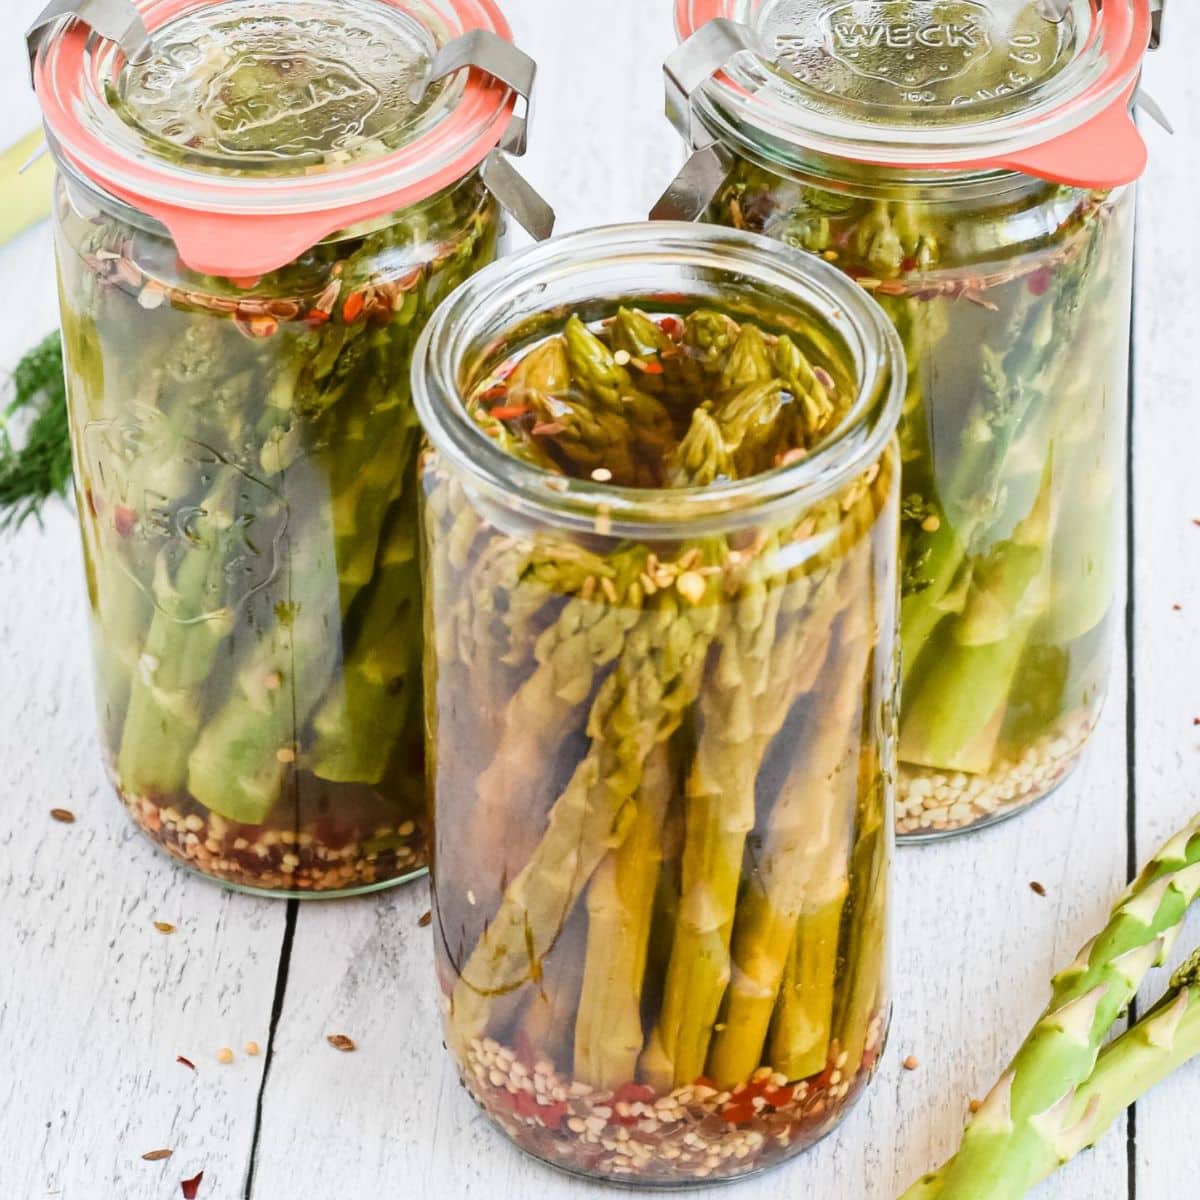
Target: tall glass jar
(245,442)
(660,511)
(969,165)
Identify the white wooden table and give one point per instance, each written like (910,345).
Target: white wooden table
(95,1005)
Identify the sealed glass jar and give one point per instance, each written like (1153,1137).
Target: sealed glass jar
(660,512)
(970,164)
(254,216)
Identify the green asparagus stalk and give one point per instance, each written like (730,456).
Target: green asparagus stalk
(166,706)
(954,711)
(741,711)
(247,749)
(803,875)
(639,706)
(620,905)
(360,722)
(1008,1137)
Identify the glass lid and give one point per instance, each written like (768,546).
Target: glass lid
(919,82)
(253,129)
(252,86)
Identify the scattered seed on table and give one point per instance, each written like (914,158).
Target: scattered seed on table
(911,1063)
(164,927)
(426,919)
(1038,888)
(64,815)
(225,1055)
(975,1106)
(252,1049)
(191,1187)
(186,1062)
(157,1155)
(339,1041)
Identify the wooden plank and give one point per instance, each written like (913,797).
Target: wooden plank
(94,1002)
(1167,641)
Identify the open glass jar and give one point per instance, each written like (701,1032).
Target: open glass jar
(660,512)
(255,214)
(969,163)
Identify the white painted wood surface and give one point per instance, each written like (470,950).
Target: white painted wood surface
(95,1004)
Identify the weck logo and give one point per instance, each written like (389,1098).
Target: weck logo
(911,43)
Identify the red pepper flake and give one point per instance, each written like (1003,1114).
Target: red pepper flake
(1196,720)
(191,1187)
(1039,282)
(426,919)
(510,412)
(704,1081)
(316,318)
(908,264)
(739,1112)
(186,1062)
(498,392)
(157,1155)
(353,307)
(526,1105)
(247,282)
(779,1097)
(339,1041)
(634,1093)
(673,327)
(124,520)
(649,368)
(63,815)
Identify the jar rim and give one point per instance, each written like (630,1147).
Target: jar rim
(450,339)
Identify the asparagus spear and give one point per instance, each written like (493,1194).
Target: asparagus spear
(246,751)
(359,723)
(620,905)
(166,707)
(802,879)
(954,712)
(655,678)
(1008,1134)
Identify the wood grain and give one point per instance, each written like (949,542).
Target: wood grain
(1166,641)
(95,1004)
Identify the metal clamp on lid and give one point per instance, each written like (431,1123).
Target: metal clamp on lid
(1158,9)
(505,62)
(698,60)
(687,69)
(117,20)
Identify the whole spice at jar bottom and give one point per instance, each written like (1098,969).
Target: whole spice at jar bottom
(252,558)
(1012,475)
(652,710)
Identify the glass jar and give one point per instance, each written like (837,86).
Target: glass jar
(970,165)
(660,511)
(244,438)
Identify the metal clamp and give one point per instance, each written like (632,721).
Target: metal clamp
(502,60)
(1158,9)
(117,20)
(696,61)
(692,190)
